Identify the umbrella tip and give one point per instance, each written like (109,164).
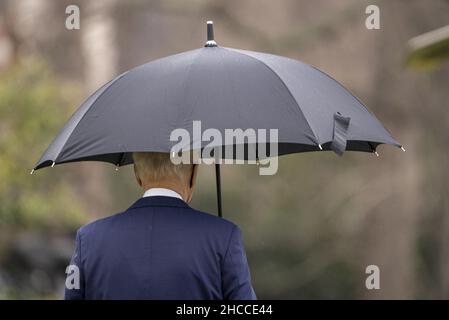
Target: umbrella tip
(32,171)
(402,148)
(319,146)
(376,153)
(210,35)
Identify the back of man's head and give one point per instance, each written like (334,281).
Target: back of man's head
(157,167)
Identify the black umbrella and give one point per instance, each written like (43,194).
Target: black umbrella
(224,88)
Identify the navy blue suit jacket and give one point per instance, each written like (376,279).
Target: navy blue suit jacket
(160,248)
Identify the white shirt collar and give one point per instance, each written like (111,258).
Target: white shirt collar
(161,192)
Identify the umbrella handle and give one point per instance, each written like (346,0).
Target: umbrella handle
(218,182)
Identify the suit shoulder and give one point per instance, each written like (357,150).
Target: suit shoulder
(100,223)
(212,220)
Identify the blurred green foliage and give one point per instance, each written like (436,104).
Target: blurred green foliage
(33,105)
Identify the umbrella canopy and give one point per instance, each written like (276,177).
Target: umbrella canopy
(224,88)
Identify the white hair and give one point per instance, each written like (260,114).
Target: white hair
(157,166)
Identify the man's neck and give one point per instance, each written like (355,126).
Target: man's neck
(169,186)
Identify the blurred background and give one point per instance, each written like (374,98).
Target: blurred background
(310,230)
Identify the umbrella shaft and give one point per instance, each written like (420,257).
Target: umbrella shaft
(218,181)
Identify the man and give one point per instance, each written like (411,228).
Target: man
(160,248)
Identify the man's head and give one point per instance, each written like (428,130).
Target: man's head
(156,170)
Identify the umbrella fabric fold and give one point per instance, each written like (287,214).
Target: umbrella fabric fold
(340,138)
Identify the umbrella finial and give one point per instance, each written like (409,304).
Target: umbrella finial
(210,35)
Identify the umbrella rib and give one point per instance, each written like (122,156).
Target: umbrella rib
(120,161)
(373,149)
(318,143)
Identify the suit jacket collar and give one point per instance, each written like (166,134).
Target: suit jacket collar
(159,201)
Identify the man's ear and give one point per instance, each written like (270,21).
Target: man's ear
(192,183)
(137,176)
